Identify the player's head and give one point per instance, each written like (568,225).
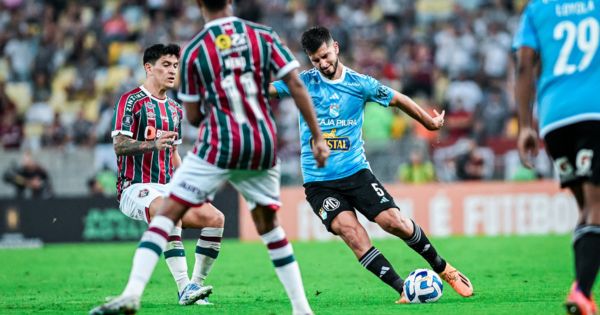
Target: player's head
(161,63)
(214,5)
(321,49)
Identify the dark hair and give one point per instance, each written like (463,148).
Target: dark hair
(214,5)
(314,37)
(154,52)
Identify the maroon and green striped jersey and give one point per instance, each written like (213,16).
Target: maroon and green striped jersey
(142,117)
(228,66)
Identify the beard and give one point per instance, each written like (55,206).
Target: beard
(335,66)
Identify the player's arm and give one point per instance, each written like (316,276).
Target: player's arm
(125,145)
(305,106)
(527,63)
(410,107)
(273,91)
(193,113)
(176,158)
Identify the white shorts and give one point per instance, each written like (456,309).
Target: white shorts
(196,181)
(136,199)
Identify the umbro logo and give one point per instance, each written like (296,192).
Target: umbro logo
(383,199)
(383,271)
(334,97)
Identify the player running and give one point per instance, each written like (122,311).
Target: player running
(557,44)
(227,66)
(146,132)
(347,183)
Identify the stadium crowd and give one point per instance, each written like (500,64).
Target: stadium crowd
(62,63)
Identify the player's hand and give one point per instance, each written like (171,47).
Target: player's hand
(528,146)
(320,151)
(437,121)
(165,141)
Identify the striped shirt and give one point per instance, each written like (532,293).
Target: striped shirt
(142,117)
(228,65)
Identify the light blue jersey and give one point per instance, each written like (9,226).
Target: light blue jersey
(566,35)
(339,105)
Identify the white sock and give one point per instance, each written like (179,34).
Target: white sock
(287,269)
(146,256)
(207,250)
(175,258)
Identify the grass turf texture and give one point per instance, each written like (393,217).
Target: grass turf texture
(511,275)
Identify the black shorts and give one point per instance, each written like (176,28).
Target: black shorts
(575,150)
(360,192)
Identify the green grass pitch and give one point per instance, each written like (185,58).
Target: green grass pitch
(511,275)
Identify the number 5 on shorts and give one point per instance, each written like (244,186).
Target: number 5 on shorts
(378,189)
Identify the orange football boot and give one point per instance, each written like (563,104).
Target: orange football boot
(578,304)
(461,284)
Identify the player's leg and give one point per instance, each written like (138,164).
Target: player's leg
(393,222)
(211,222)
(586,245)
(175,252)
(261,191)
(346,225)
(192,185)
(141,202)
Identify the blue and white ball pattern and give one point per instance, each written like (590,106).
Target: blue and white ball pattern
(423,286)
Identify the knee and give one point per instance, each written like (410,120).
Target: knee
(218,220)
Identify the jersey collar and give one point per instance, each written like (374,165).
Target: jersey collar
(151,96)
(341,79)
(220,21)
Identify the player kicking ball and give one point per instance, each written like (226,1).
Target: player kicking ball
(347,183)
(146,132)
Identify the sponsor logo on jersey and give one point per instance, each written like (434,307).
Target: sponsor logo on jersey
(223,41)
(334,142)
(143,193)
(330,204)
(151,133)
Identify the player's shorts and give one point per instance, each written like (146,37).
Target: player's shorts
(575,150)
(196,182)
(361,192)
(136,199)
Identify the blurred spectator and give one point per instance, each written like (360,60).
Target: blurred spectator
(55,134)
(11,130)
(29,179)
(417,170)
(82,131)
(491,116)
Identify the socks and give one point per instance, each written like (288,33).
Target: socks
(376,263)
(420,244)
(153,242)
(587,256)
(207,250)
(287,269)
(175,258)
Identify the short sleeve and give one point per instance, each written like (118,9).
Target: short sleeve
(189,82)
(123,121)
(376,92)
(282,59)
(282,89)
(178,126)
(526,34)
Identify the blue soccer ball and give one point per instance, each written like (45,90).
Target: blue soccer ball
(423,286)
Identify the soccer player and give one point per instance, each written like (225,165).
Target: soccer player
(557,44)
(227,68)
(347,183)
(146,132)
